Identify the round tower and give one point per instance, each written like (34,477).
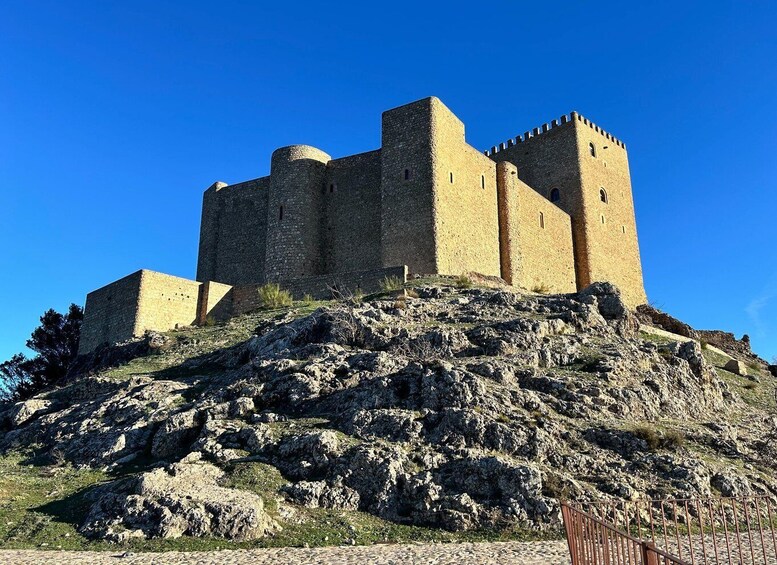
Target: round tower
(294,210)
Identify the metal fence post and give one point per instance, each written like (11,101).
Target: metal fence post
(649,556)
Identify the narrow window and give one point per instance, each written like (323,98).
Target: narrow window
(555,195)
(603,195)
(542,220)
(331,188)
(602,218)
(280,214)
(592,149)
(407,174)
(451,177)
(482,181)
(623,228)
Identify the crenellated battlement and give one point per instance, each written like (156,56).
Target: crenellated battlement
(544,128)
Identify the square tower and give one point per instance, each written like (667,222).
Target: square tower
(585,171)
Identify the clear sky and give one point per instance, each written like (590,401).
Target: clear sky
(115,116)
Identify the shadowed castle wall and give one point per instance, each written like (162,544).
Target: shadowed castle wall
(233,232)
(408,231)
(110,313)
(294,243)
(351,213)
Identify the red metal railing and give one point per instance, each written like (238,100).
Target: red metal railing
(592,541)
(694,531)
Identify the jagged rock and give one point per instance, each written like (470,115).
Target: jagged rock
(182,499)
(176,434)
(311,453)
(736,367)
(23,412)
(730,485)
(394,425)
(256,437)
(465,409)
(319,494)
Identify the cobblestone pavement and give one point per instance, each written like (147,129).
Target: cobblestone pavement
(513,553)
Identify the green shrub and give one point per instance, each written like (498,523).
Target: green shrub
(553,486)
(273,296)
(307,299)
(749,386)
(648,434)
(389,284)
(704,344)
(673,439)
(463,281)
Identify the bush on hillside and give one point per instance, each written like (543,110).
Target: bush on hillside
(273,296)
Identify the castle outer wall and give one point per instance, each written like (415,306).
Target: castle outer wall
(550,210)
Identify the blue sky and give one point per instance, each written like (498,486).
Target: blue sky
(114,117)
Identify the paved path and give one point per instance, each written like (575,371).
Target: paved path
(502,553)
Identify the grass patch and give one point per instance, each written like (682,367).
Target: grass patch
(389,284)
(655,439)
(273,296)
(41,507)
(463,281)
(260,478)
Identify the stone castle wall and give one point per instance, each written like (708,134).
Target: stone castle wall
(166,302)
(233,232)
(425,199)
(407,198)
(110,314)
(351,215)
(610,227)
(466,211)
(536,244)
(558,156)
(142,301)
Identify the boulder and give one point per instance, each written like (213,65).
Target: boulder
(736,367)
(176,434)
(319,494)
(182,499)
(23,412)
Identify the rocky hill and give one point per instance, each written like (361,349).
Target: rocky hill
(452,409)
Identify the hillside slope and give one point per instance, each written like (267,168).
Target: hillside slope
(462,410)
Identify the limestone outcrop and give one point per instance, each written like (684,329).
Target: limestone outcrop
(458,409)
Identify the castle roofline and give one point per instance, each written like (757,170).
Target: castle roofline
(563,120)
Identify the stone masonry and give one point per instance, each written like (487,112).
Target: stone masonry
(550,210)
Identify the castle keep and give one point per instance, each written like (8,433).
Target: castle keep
(551,209)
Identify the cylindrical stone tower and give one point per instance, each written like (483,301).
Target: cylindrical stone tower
(294,209)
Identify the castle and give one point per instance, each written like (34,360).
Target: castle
(551,209)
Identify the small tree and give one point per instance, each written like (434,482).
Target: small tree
(56,343)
